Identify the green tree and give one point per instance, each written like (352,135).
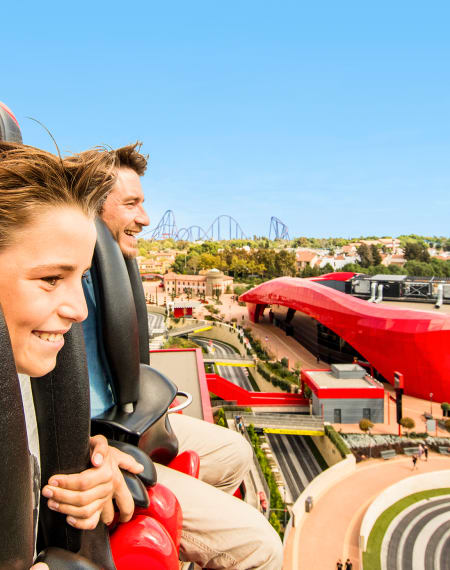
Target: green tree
(375,254)
(416,251)
(327,268)
(365,255)
(445,407)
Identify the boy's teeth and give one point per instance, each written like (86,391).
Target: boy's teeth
(49,337)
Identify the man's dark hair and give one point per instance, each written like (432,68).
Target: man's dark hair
(131,157)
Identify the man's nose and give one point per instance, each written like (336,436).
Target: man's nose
(142,218)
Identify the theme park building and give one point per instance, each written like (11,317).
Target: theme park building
(339,327)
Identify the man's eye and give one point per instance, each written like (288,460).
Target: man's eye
(52,280)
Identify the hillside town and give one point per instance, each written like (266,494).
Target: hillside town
(237,258)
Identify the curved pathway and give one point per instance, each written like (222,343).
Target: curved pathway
(419,537)
(332,528)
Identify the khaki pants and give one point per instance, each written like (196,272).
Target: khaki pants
(219,531)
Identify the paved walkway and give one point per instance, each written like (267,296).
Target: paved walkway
(332,528)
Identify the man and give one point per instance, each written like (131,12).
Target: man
(219,531)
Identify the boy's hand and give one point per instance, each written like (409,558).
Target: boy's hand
(85,497)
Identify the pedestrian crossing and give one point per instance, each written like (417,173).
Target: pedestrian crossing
(156,323)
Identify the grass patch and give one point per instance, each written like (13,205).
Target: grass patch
(253,382)
(319,457)
(372,556)
(179,342)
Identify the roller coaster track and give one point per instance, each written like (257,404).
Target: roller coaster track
(218,229)
(280,229)
(166,228)
(224,227)
(192,233)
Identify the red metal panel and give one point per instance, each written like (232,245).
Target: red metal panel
(203,385)
(229,391)
(337,276)
(416,343)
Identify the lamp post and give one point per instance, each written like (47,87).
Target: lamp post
(431,403)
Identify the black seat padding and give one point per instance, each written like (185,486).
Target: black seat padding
(141,308)
(16,488)
(124,340)
(148,475)
(59,559)
(150,411)
(119,325)
(61,400)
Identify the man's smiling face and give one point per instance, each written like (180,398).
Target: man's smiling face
(123,211)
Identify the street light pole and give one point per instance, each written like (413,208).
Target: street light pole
(431,403)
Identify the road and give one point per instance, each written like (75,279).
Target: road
(156,323)
(296,460)
(236,374)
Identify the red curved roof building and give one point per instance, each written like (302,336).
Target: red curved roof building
(339,326)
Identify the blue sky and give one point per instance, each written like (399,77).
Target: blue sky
(332,116)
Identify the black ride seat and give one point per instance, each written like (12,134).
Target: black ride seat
(16,490)
(62,406)
(143,394)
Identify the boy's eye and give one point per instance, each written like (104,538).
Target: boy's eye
(52,280)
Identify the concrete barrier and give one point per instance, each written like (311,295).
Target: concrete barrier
(156,309)
(400,490)
(316,489)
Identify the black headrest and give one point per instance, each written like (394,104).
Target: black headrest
(141,308)
(61,400)
(115,304)
(9,127)
(16,490)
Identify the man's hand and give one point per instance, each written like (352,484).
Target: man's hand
(39,566)
(85,497)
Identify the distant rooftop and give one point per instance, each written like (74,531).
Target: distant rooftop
(325,379)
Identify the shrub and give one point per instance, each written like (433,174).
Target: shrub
(365,425)
(447,425)
(284,362)
(276,501)
(337,440)
(408,423)
(274,521)
(445,406)
(220,418)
